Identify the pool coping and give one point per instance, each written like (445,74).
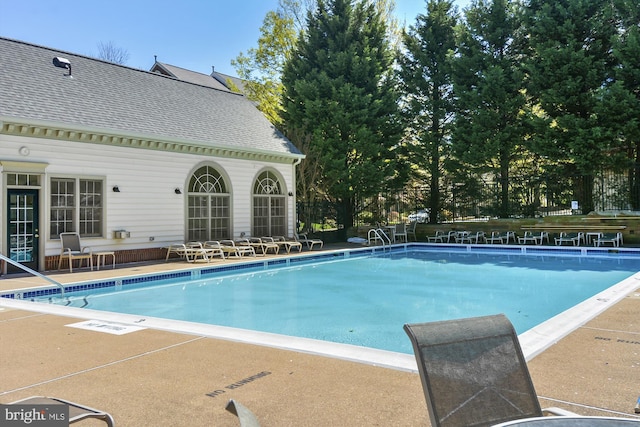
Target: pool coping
(533,341)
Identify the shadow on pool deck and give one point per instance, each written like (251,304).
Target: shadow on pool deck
(160,378)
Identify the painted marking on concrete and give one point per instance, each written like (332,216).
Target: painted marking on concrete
(107,327)
(617,340)
(239,383)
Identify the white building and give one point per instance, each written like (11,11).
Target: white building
(130,159)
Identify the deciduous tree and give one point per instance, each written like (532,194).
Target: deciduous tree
(111,53)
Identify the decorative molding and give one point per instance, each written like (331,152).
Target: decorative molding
(90,137)
(23,167)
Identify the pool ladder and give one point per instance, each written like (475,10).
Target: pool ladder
(376,234)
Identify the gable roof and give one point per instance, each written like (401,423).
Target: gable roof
(225,78)
(188,75)
(111,99)
(215,79)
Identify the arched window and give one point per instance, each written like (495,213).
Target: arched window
(269,206)
(208,211)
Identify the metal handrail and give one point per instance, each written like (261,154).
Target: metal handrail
(378,234)
(35,273)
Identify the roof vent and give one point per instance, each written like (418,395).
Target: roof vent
(60,62)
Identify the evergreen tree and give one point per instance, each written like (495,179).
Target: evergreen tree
(621,104)
(337,90)
(426,83)
(570,65)
(488,83)
(261,67)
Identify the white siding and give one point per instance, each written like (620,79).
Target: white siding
(146,205)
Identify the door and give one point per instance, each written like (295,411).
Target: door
(23,228)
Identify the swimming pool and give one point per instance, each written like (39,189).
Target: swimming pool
(364,298)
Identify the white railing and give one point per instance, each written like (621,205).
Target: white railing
(376,234)
(35,273)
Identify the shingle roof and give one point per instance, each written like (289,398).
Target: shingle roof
(224,79)
(188,75)
(123,100)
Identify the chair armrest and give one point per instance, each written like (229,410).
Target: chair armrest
(557,411)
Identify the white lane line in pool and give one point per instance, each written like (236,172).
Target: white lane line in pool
(95,368)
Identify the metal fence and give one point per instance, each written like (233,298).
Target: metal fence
(529,197)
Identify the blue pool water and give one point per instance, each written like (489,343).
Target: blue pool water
(366,300)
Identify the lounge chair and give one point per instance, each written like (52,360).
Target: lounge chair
(192,251)
(204,252)
(477,237)
(245,242)
(439,236)
(246,417)
(461,236)
(227,250)
(473,372)
(531,237)
(501,237)
(453,236)
(261,247)
(614,239)
(571,238)
(230,249)
(72,249)
(77,412)
(176,248)
(302,238)
(287,243)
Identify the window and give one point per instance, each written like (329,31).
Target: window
(23,179)
(76,206)
(269,207)
(208,210)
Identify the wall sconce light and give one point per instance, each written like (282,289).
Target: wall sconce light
(177,191)
(116,189)
(290,193)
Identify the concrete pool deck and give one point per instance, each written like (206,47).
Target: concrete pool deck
(153,377)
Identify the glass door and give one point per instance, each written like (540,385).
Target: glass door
(23,228)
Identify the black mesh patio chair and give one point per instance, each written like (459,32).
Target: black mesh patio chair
(473,372)
(245,416)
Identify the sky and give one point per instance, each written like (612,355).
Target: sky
(191,34)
